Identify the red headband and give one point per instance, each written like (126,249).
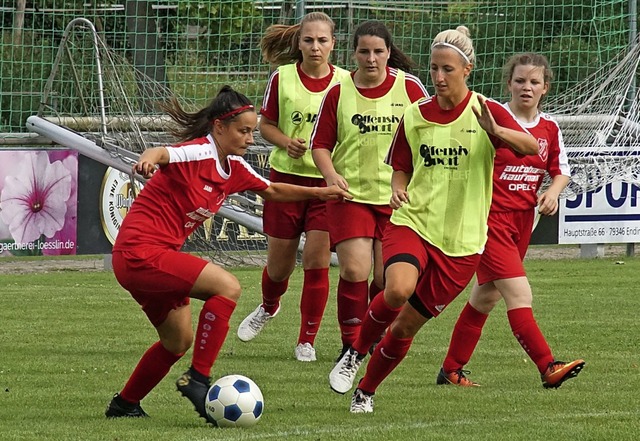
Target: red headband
(235,112)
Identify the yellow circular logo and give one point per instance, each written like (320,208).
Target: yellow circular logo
(116,197)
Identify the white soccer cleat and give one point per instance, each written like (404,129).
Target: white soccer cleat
(253,324)
(343,374)
(305,352)
(361,402)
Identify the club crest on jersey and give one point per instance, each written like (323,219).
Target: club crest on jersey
(543,149)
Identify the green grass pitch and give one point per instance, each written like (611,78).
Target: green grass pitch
(69,340)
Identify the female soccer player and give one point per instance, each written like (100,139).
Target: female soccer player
(501,274)
(189,187)
(290,107)
(442,159)
(357,120)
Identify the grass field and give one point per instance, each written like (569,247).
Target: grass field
(69,340)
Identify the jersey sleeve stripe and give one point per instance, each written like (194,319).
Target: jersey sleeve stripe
(241,162)
(416,80)
(563,160)
(320,109)
(190,152)
(267,92)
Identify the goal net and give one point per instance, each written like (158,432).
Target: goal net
(96,102)
(600,122)
(98,98)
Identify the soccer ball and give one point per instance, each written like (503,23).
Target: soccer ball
(234,401)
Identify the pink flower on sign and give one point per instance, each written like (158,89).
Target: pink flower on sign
(34,199)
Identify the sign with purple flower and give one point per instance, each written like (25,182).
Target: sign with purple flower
(38,202)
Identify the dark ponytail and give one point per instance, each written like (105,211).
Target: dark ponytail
(226,106)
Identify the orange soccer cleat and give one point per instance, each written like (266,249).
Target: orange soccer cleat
(457,378)
(559,371)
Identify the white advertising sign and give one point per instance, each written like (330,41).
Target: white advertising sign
(610,214)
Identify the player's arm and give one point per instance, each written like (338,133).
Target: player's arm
(281,192)
(151,159)
(399,158)
(323,141)
(322,159)
(399,182)
(518,139)
(295,147)
(548,201)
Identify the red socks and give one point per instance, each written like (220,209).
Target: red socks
(156,362)
(352,305)
(376,319)
(271,292)
(213,326)
(388,354)
(464,338)
(528,334)
(315,292)
(154,365)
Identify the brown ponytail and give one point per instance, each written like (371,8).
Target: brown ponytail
(279,44)
(198,124)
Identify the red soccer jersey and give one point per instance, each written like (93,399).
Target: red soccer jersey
(327,137)
(270,108)
(517,178)
(400,156)
(183,194)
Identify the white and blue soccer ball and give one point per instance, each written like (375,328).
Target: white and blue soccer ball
(234,401)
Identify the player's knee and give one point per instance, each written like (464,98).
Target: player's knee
(403,329)
(178,345)
(232,290)
(354,273)
(280,273)
(484,304)
(396,296)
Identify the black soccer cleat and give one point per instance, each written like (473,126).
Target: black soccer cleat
(196,391)
(119,408)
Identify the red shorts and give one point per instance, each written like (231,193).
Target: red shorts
(507,243)
(353,219)
(288,220)
(160,280)
(441,277)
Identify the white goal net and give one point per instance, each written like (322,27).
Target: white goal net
(96,102)
(600,122)
(97,99)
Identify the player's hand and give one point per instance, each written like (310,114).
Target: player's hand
(296,148)
(333,192)
(548,204)
(484,116)
(336,179)
(398,198)
(144,168)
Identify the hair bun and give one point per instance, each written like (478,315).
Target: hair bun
(464,30)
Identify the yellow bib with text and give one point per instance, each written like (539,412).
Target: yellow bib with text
(451,186)
(298,111)
(365,130)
